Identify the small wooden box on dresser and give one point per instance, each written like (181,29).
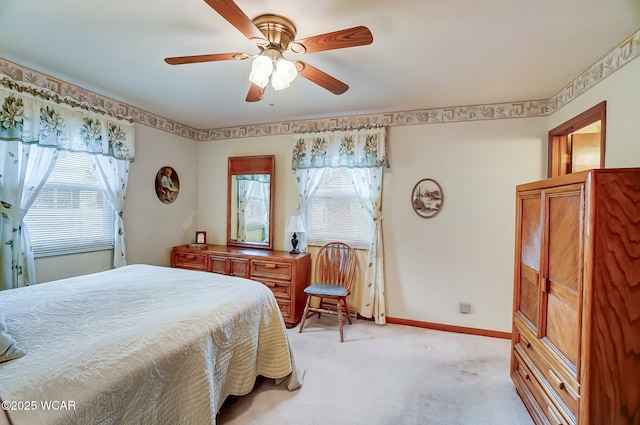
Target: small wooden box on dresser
(576,334)
(285,274)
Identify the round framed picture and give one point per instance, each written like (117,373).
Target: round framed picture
(427,198)
(167,185)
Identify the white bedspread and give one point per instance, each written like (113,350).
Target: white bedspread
(140,345)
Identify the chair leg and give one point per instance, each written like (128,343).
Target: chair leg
(305,313)
(340,319)
(346,306)
(320,307)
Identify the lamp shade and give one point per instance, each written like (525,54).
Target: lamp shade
(295,224)
(284,74)
(261,69)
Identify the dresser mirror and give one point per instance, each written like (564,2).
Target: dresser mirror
(250,201)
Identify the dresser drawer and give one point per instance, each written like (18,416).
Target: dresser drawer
(270,270)
(239,267)
(285,309)
(526,378)
(281,290)
(218,264)
(186,260)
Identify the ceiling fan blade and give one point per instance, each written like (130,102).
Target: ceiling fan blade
(179,60)
(230,11)
(350,37)
(255,93)
(321,78)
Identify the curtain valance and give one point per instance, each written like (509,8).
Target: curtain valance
(360,148)
(34,115)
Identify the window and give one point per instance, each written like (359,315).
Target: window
(71,213)
(334,213)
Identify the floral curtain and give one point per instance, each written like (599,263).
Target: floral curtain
(364,147)
(114,175)
(368,183)
(34,125)
(363,152)
(23,172)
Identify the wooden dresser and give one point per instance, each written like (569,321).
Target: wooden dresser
(576,334)
(285,274)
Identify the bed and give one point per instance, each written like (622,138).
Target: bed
(140,344)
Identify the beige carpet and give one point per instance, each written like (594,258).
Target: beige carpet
(387,375)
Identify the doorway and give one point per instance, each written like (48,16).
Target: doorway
(578,144)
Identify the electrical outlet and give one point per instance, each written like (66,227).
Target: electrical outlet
(465,308)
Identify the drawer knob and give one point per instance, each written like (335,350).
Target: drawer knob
(557,380)
(270,265)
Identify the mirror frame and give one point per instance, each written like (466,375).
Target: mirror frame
(259,164)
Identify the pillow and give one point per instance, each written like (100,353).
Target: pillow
(8,348)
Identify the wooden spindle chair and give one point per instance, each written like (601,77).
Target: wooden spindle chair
(335,268)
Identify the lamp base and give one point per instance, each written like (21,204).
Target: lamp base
(294,244)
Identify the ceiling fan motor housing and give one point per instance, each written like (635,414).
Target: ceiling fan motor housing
(278,30)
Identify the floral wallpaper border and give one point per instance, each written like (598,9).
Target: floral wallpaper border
(624,53)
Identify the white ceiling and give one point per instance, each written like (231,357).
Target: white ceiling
(425,53)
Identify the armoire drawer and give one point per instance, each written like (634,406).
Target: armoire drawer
(528,376)
(270,270)
(558,385)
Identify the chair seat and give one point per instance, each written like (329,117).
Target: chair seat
(326,289)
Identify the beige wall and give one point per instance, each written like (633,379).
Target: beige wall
(463,254)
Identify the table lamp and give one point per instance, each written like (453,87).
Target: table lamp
(295,225)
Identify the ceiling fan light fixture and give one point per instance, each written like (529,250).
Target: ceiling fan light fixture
(278,82)
(258,79)
(286,70)
(262,66)
(261,69)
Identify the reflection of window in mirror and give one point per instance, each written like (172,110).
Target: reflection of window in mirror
(250,223)
(578,144)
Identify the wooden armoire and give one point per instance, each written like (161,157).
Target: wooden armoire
(576,320)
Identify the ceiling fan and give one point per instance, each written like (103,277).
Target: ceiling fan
(275,35)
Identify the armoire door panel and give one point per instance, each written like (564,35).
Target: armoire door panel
(564,236)
(530,229)
(529,295)
(563,329)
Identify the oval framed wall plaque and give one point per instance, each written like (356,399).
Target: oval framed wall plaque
(167,185)
(427,198)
